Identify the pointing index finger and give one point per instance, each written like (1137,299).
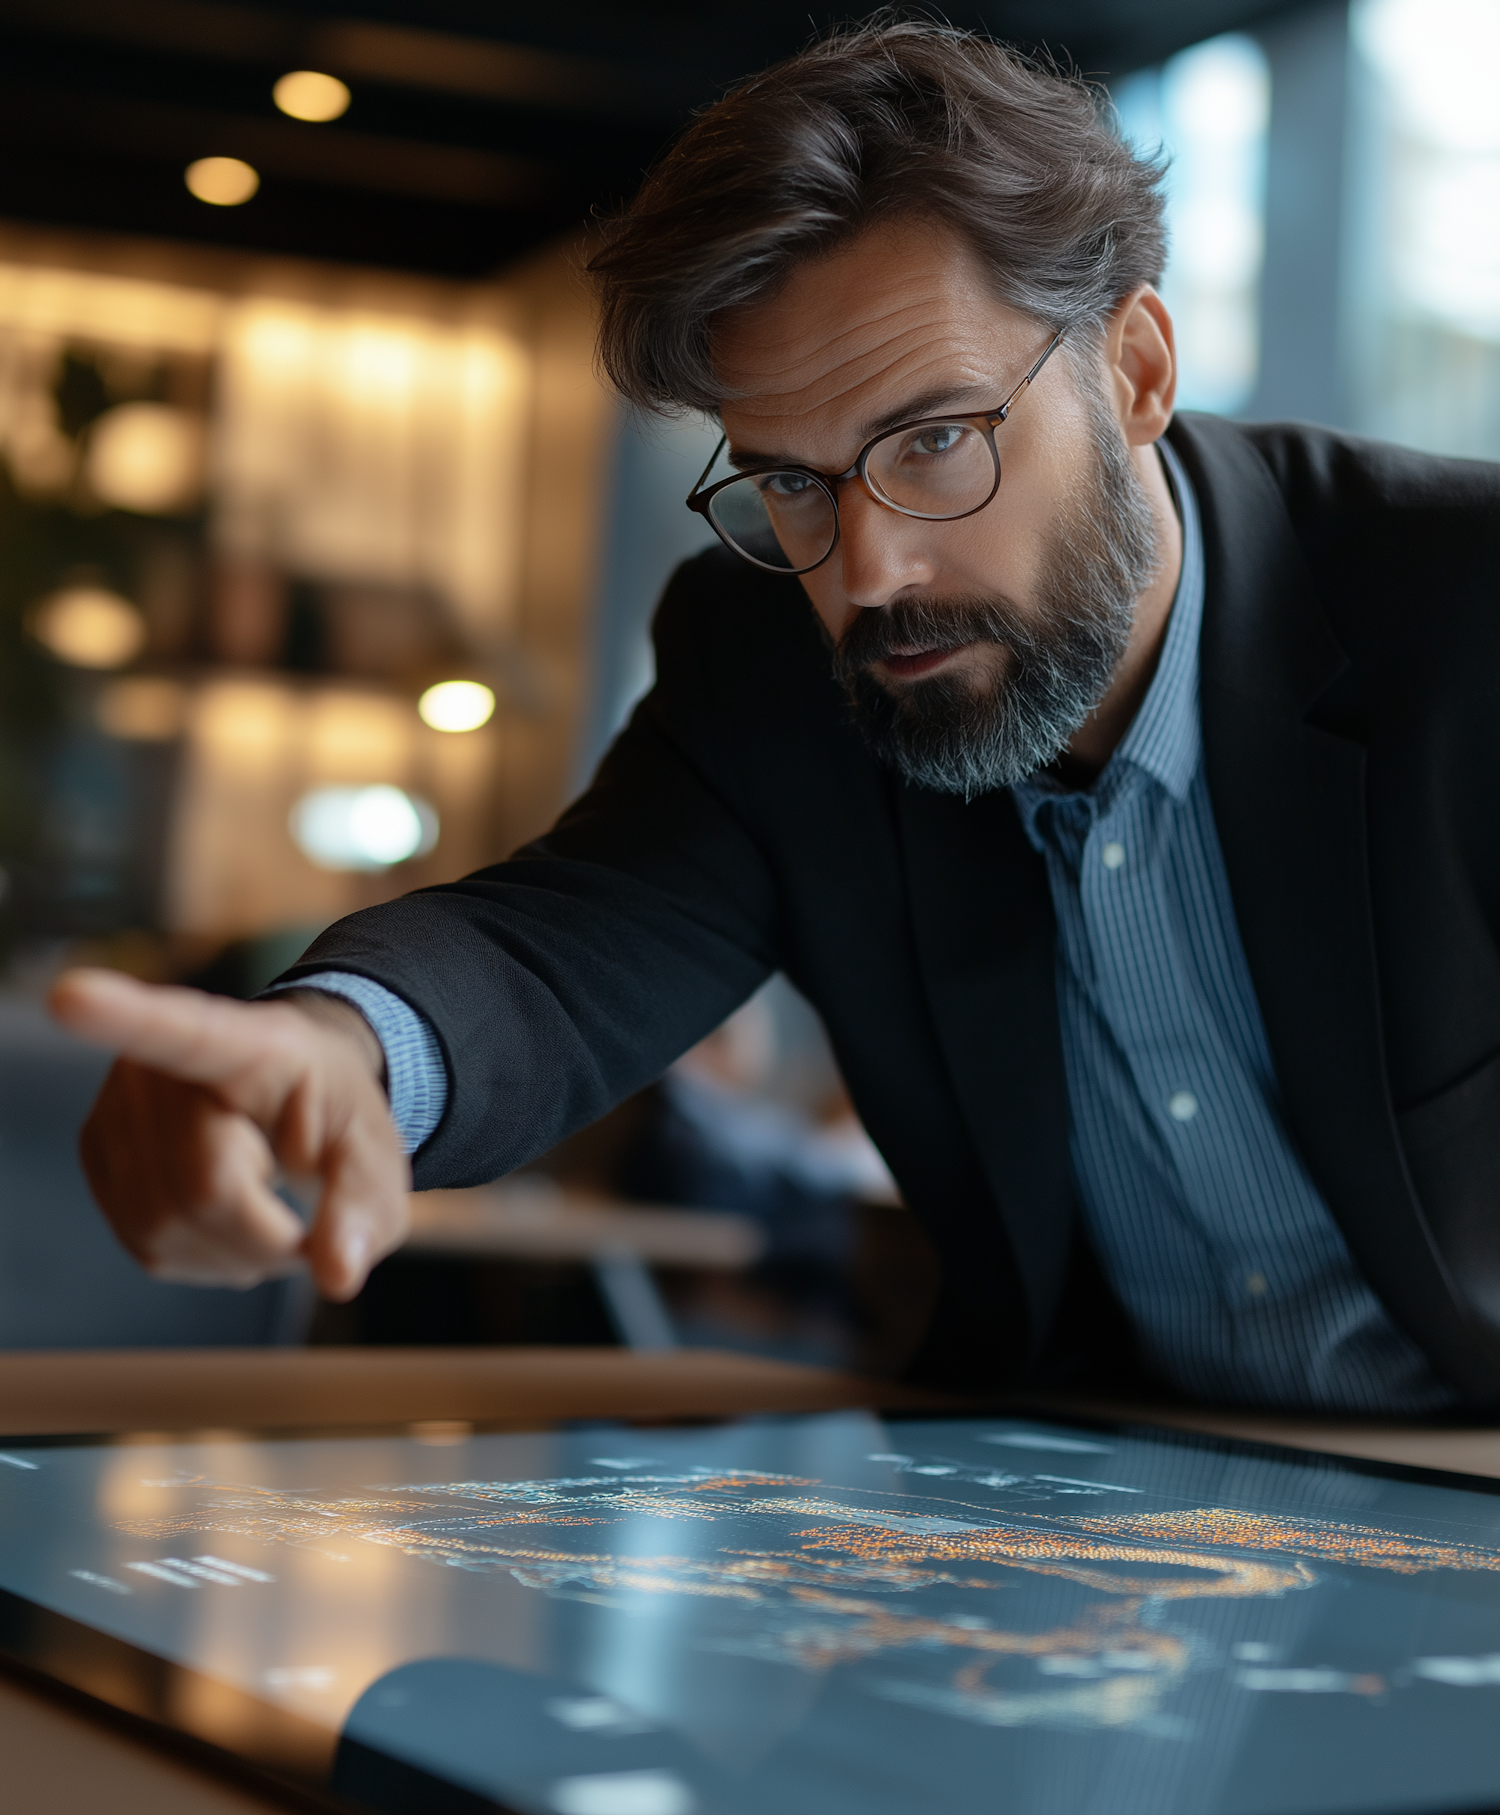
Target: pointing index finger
(198,1038)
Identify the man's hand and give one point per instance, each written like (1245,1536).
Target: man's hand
(210,1101)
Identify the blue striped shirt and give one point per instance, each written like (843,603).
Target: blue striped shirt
(1205,1219)
(416,1080)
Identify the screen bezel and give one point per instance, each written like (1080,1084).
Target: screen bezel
(285,1754)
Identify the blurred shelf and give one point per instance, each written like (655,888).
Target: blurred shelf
(527,1221)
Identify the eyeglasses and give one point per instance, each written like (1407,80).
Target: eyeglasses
(786,518)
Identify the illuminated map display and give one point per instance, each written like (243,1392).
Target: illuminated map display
(821,1616)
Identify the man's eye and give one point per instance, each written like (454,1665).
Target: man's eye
(941,438)
(786,485)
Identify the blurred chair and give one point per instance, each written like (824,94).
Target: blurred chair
(64,1280)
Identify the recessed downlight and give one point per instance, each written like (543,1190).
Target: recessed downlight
(222,182)
(307,94)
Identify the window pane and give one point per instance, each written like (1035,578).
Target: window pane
(1207,109)
(1423,290)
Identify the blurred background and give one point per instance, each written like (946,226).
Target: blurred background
(327,566)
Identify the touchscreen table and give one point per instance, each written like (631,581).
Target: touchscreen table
(832,1615)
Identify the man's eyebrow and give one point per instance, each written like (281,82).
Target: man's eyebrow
(911,409)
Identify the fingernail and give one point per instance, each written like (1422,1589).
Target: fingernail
(354,1251)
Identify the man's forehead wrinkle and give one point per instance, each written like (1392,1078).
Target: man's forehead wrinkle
(946,377)
(908,363)
(852,340)
(778,334)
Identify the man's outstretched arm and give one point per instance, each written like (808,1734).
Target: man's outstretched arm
(210,1102)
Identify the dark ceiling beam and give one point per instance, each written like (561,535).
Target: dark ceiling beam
(719,43)
(501,72)
(347,159)
(401,56)
(123,195)
(183,27)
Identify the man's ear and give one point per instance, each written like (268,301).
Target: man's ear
(1140,354)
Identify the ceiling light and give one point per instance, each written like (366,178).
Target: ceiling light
(146,457)
(87,627)
(307,95)
(362,828)
(225,182)
(456,706)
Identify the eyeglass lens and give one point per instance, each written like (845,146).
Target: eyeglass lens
(786,520)
(781,520)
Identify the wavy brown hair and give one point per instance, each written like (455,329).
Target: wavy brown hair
(894,117)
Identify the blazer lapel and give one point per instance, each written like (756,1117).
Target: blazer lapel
(1289,805)
(983,922)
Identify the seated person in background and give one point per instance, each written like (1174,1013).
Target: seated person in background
(723,1131)
(747,1121)
(1129,818)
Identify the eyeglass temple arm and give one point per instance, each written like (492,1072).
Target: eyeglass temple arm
(1051,348)
(692,496)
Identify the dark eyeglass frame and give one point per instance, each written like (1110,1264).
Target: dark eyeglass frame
(987,421)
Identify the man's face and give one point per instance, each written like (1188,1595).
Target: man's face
(971,649)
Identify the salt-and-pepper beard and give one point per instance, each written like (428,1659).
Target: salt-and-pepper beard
(957,736)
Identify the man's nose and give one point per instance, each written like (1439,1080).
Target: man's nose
(882,553)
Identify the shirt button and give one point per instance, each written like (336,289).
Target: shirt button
(1255,1285)
(1182,1106)
(1112,856)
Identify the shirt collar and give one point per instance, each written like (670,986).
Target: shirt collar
(1165,738)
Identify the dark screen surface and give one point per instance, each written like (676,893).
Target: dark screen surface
(835,1615)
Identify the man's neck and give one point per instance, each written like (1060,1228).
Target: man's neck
(1096,740)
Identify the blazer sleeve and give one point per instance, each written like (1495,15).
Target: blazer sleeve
(562,980)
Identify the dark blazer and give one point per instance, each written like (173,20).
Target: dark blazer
(1351,717)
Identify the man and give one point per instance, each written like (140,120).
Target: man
(1127,818)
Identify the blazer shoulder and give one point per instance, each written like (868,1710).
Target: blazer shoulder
(1325,472)
(1393,540)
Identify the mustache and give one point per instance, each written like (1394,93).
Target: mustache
(929,624)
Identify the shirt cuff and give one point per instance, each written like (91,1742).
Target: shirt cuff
(416,1077)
